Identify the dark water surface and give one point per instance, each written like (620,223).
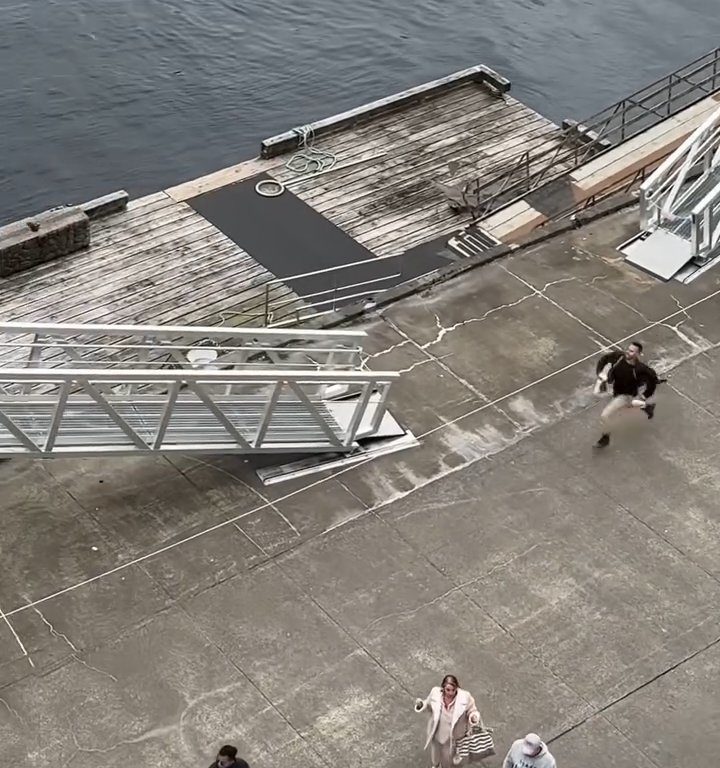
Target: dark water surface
(141,94)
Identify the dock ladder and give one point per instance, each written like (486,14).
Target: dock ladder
(80,390)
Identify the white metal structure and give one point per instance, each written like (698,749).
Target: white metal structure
(117,389)
(680,206)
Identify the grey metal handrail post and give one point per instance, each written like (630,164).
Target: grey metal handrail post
(267,304)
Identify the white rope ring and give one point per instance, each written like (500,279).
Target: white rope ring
(270,188)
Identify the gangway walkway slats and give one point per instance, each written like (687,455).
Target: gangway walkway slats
(99,389)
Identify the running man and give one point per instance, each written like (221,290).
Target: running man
(633,384)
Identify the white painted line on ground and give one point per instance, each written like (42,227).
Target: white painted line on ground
(445,425)
(4,617)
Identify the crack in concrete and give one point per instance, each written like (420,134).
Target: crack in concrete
(75,650)
(443,330)
(464,465)
(445,425)
(412,611)
(176,729)
(418,363)
(95,669)
(680,306)
(439,361)
(13,712)
(20,643)
(455,588)
(55,632)
(391,348)
(270,705)
(557,305)
(153,733)
(701,346)
(511,560)
(683,336)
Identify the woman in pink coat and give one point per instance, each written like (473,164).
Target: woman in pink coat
(452,711)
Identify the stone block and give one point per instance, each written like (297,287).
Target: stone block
(42,238)
(115,202)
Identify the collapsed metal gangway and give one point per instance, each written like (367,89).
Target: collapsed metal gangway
(122,389)
(680,207)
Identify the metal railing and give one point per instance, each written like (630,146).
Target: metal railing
(580,141)
(275,303)
(683,194)
(50,345)
(279,305)
(95,389)
(667,189)
(705,227)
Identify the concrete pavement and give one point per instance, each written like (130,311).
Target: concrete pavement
(156,609)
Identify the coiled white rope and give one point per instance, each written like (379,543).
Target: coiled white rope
(307,162)
(308,159)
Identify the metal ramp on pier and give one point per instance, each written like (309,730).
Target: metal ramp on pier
(680,210)
(83,390)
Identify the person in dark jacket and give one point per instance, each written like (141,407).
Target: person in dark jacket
(633,384)
(227,758)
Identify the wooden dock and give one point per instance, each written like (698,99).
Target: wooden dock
(202,253)
(457,130)
(160,261)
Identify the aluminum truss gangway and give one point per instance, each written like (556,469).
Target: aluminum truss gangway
(78,390)
(680,208)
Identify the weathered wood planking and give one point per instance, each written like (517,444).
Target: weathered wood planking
(160,262)
(389,203)
(480,74)
(157,263)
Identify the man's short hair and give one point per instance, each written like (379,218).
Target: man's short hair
(228,751)
(637,344)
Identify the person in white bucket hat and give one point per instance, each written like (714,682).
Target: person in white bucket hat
(530,752)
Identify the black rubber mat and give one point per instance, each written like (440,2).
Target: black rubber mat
(427,257)
(285,235)
(288,237)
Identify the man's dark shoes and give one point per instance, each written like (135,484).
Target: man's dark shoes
(603,441)
(650,411)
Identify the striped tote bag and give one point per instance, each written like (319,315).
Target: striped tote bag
(477,745)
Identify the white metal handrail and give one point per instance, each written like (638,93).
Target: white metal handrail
(664,191)
(59,376)
(279,305)
(265,335)
(114,346)
(705,225)
(76,396)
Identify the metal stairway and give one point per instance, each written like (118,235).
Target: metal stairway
(102,389)
(680,209)
(472,241)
